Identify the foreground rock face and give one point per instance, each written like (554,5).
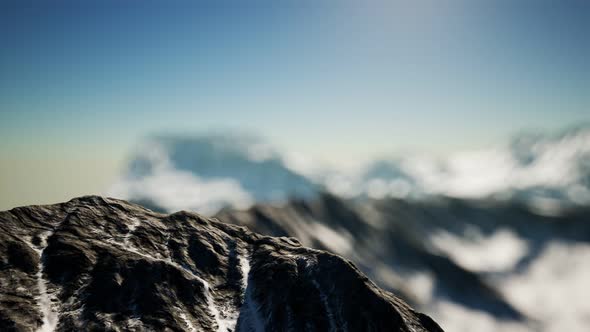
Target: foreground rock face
(107,265)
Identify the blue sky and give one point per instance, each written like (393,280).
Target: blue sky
(82,82)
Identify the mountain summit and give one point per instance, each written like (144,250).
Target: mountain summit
(99,264)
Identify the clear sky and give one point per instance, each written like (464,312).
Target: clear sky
(82,82)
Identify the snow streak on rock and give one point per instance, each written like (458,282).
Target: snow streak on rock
(50,316)
(189,324)
(252,321)
(117,266)
(245,268)
(224,322)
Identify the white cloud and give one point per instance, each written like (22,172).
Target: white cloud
(178,190)
(497,252)
(554,289)
(175,190)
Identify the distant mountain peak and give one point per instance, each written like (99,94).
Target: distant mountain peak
(206,173)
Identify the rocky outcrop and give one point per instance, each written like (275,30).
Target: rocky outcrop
(106,265)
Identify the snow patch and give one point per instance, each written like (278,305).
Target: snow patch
(251,319)
(186,321)
(136,222)
(50,316)
(245,268)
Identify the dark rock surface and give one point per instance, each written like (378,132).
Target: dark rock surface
(98,264)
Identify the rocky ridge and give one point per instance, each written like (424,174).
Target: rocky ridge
(101,264)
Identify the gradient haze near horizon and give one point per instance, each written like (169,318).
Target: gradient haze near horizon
(344,81)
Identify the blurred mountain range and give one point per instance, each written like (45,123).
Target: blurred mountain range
(485,240)
(548,172)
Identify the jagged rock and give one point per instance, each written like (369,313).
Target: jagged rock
(99,264)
